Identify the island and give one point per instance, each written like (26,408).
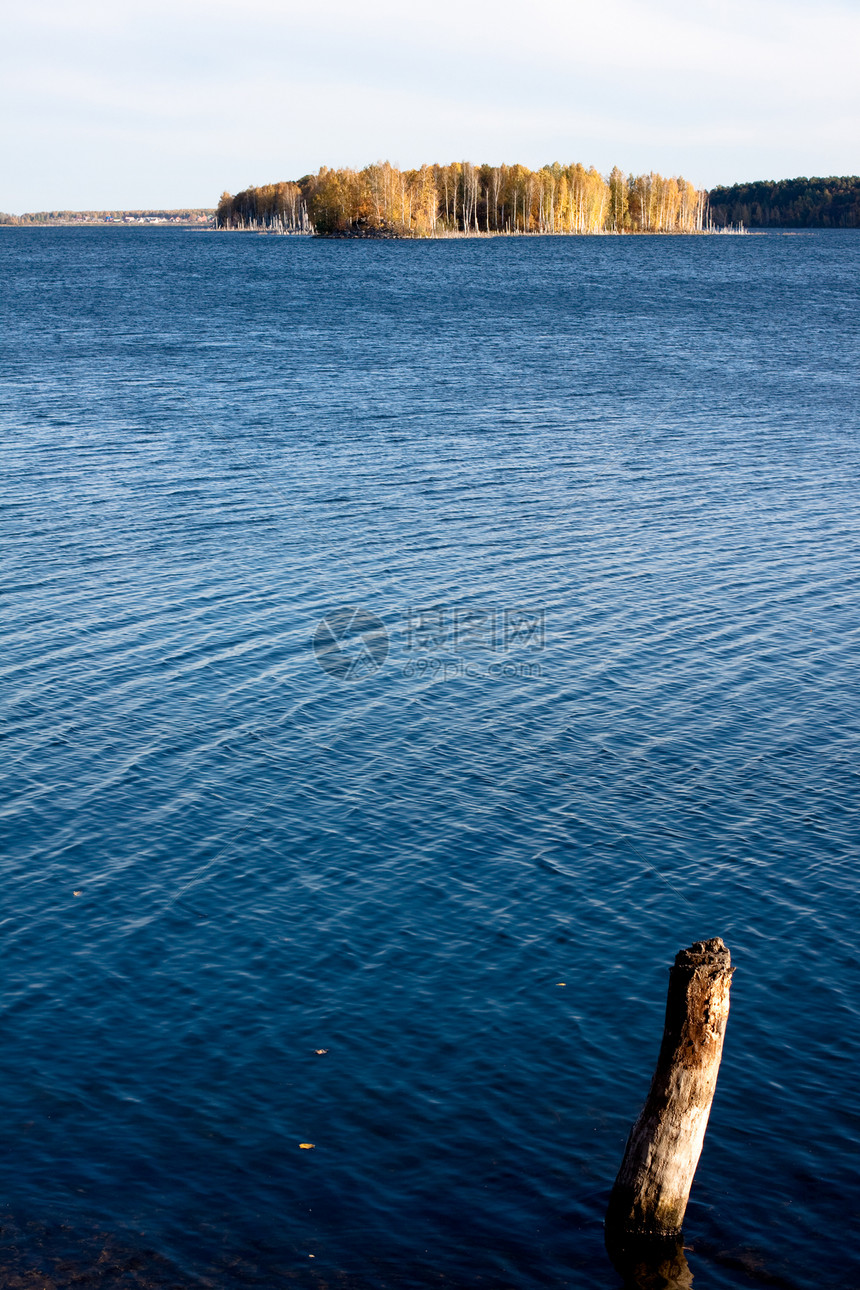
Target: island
(462,199)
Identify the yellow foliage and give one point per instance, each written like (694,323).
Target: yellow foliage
(463,198)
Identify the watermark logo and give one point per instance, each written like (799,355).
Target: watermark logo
(350,643)
(434,642)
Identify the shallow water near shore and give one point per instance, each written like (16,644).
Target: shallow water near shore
(593,508)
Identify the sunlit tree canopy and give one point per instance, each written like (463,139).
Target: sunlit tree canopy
(467,199)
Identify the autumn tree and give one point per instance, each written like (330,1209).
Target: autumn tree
(462,198)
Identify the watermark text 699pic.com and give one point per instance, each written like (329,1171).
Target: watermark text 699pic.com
(434,642)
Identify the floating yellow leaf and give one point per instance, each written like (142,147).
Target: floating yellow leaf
(307,1146)
(561,983)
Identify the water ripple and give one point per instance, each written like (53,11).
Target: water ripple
(602,494)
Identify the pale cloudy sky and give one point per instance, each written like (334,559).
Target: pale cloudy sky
(123,103)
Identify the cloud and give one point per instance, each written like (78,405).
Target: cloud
(112,99)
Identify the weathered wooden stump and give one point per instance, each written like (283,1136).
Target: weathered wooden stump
(653,1184)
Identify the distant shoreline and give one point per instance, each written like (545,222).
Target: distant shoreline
(187,228)
(462,200)
(182,217)
(447,236)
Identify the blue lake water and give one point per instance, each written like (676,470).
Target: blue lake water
(575,526)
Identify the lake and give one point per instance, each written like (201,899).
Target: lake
(408,647)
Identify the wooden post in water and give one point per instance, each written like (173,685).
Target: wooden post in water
(653,1184)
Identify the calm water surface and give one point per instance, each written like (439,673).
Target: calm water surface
(597,503)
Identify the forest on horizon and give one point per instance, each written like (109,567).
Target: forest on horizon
(438,201)
(832,202)
(462,198)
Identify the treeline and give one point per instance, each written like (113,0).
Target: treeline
(438,201)
(790,203)
(186,215)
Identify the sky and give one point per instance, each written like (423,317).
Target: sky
(167,103)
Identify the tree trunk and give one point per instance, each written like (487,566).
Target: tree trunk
(653,1184)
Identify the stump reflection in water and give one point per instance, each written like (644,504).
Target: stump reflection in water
(650,1264)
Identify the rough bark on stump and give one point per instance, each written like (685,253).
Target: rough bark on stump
(653,1184)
